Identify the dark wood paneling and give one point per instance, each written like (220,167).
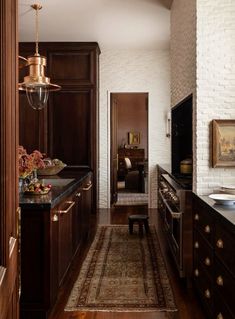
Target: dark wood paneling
(33,126)
(70,123)
(72,67)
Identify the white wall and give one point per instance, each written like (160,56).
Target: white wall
(135,71)
(215,85)
(203,62)
(183,59)
(183,49)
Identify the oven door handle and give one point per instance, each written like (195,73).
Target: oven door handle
(176,215)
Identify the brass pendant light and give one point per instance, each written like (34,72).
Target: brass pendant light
(36,84)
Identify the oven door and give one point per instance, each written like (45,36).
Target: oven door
(173,222)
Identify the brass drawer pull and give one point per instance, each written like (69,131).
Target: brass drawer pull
(207,294)
(220,243)
(78,194)
(88,187)
(71,204)
(196,245)
(196,217)
(55,218)
(220,316)
(207,261)
(207,229)
(196,272)
(220,281)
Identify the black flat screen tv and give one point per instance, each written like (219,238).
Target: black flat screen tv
(181,131)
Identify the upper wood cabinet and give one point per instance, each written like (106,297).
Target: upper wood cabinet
(67,128)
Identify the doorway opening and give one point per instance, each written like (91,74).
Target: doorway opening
(129,149)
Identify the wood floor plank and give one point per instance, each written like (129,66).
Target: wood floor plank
(187,304)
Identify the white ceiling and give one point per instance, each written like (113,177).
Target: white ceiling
(119,24)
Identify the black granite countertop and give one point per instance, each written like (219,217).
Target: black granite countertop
(225,211)
(57,193)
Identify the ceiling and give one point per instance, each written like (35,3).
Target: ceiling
(114,24)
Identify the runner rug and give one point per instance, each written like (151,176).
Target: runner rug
(122,272)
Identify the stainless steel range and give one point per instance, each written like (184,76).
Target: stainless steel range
(174,205)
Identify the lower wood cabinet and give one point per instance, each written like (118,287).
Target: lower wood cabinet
(213,257)
(50,239)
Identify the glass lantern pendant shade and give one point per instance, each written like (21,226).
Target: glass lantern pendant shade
(36,84)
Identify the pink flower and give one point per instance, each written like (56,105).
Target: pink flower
(37,159)
(27,163)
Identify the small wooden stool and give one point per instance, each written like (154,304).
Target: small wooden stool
(142,220)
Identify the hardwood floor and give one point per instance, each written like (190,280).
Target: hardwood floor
(188,307)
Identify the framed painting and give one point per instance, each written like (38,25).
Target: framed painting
(133,138)
(223,143)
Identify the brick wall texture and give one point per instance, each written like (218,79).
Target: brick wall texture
(203,63)
(135,71)
(215,85)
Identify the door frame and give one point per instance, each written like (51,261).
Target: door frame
(9,201)
(110,138)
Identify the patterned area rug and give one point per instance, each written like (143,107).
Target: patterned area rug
(122,272)
(132,199)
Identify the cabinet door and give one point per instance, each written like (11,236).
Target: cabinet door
(86,208)
(70,126)
(65,236)
(77,220)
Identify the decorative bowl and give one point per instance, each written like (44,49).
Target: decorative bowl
(50,170)
(223,199)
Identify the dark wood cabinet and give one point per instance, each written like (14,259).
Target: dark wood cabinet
(213,257)
(70,123)
(67,128)
(50,240)
(65,218)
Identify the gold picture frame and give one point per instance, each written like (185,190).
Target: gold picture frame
(223,143)
(133,138)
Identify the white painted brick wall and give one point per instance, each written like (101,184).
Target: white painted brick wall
(183,49)
(183,57)
(215,85)
(135,71)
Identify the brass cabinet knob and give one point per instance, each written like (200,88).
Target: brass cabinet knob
(196,217)
(55,218)
(220,281)
(220,316)
(196,272)
(207,261)
(196,244)
(220,243)
(207,229)
(207,293)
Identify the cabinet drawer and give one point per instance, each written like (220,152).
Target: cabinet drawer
(221,310)
(203,221)
(224,284)
(203,253)
(224,246)
(204,287)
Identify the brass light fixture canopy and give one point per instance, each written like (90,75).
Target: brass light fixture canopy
(36,77)
(36,84)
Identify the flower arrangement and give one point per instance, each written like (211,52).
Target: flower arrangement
(29,162)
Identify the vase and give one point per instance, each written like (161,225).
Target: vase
(34,176)
(22,184)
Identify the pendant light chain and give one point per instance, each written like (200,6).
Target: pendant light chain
(36,44)
(36,7)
